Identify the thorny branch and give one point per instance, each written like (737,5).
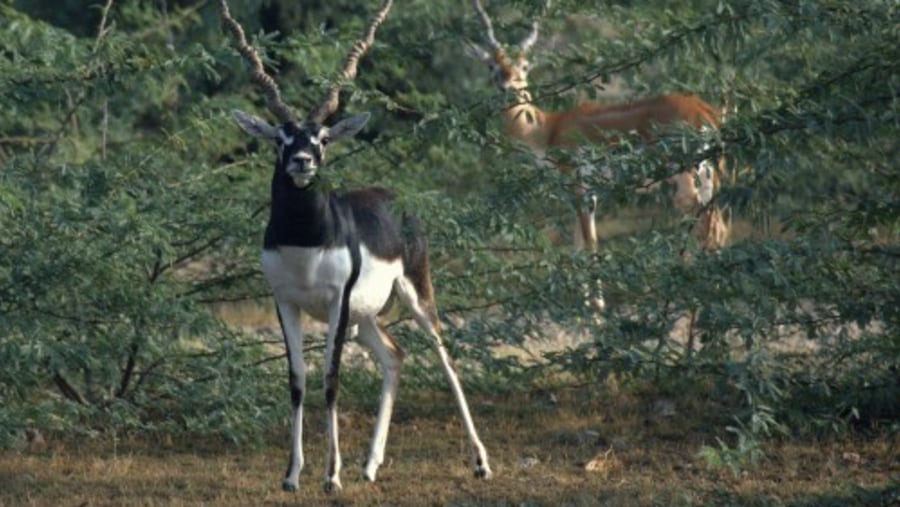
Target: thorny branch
(102,30)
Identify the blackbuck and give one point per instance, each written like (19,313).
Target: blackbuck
(603,124)
(339,258)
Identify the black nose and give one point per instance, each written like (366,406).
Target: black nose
(302,160)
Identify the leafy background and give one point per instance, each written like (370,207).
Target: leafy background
(132,209)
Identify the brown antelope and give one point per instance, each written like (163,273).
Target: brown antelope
(339,257)
(602,123)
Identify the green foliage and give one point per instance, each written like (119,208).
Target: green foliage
(130,204)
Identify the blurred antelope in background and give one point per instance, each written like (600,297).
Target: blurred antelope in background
(339,257)
(603,124)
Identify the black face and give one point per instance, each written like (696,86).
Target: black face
(301,150)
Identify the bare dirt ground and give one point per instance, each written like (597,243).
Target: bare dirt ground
(562,448)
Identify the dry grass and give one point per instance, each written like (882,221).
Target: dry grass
(573,450)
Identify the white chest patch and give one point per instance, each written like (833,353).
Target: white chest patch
(314,279)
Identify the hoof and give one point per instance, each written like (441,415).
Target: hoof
(483,473)
(289,485)
(331,486)
(368,474)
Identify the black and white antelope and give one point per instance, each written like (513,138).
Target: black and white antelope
(339,258)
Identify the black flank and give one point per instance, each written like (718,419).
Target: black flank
(377,226)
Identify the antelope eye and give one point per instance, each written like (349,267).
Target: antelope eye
(324,141)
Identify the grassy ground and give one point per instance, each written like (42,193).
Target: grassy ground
(571,448)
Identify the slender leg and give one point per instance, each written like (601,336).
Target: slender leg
(407,291)
(588,229)
(586,206)
(337,332)
(289,317)
(389,357)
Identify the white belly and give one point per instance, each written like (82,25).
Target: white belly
(313,279)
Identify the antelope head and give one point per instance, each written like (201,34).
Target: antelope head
(301,145)
(507,73)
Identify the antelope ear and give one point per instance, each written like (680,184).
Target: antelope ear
(477,52)
(348,127)
(254,125)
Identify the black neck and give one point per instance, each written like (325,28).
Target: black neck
(306,217)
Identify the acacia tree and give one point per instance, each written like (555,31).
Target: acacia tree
(130,204)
